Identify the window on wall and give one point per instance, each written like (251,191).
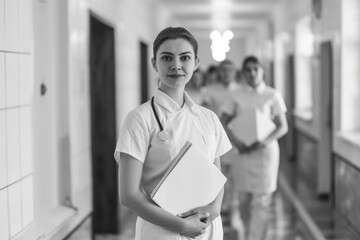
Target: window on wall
(304,51)
(281,41)
(347,85)
(350,84)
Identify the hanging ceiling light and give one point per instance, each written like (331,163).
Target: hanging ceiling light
(220,44)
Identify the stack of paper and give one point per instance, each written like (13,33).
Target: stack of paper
(191,181)
(251,126)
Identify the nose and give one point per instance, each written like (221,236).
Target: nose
(253,73)
(175,68)
(176,65)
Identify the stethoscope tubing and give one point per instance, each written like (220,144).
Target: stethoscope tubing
(163,134)
(155,114)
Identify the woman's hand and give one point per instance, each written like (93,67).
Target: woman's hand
(257,145)
(131,196)
(280,129)
(207,210)
(241,146)
(195,224)
(203,216)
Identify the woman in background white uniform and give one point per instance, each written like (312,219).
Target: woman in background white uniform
(255,171)
(146,146)
(216,93)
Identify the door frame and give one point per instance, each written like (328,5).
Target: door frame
(105,216)
(325,160)
(144,72)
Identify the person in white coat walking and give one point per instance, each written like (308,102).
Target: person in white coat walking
(255,171)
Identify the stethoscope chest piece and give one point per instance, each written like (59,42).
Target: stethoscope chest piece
(164,136)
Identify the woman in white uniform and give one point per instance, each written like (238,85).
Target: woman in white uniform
(216,93)
(153,134)
(255,170)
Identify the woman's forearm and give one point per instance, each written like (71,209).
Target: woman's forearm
(225,119)
(147,210)
(276,134)
(216,205)
(132,196)
(280,130)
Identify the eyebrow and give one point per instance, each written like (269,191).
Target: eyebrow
(169,53)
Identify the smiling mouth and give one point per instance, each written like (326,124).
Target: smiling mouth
(175,76)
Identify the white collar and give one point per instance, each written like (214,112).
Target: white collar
(258,89)
(170,105)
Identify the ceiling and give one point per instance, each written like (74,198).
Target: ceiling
(203,16)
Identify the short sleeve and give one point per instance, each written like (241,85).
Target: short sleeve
(223,144)
(134,137)
(278,105)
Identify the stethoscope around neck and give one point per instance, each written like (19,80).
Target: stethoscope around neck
(163,134)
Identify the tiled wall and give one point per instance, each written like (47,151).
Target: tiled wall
(16,94)
(16,168)
(347,192)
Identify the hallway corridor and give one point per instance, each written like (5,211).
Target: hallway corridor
(72,70)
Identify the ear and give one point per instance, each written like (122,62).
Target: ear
(153,63)
(197,63)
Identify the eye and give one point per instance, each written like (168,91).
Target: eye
(185,58)
(166,58)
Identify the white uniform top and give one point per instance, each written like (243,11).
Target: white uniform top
(139,138)
(216,94)
(256,171)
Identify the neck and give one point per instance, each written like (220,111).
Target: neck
(228,83)
(176,94)
(255,85)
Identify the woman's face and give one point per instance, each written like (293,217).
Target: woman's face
(175,63)
(227,73)
(212,77)
(253,73)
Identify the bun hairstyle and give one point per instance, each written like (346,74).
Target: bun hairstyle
(174,33)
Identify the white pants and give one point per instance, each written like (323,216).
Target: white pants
(254,214)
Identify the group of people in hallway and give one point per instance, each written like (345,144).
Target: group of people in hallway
(196,106)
